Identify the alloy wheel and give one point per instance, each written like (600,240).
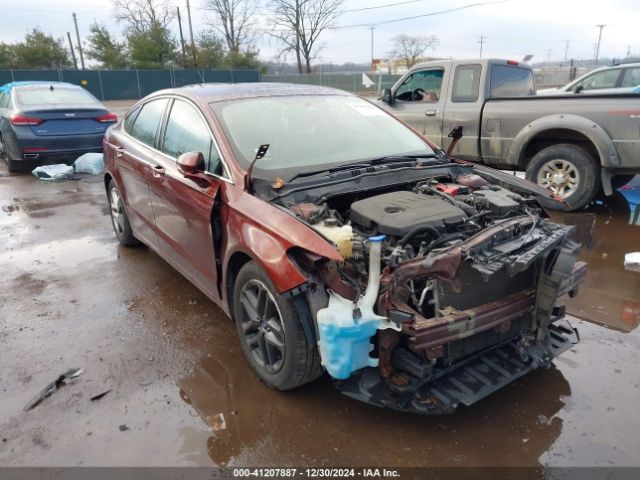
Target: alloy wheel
(261,326)
(117,211)
(559,176)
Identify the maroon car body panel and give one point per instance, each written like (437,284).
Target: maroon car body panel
(173,214)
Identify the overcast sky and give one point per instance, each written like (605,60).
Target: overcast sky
(512,28)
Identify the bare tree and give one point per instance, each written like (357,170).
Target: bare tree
(299,23)
(143,15)
(411,47)
(234,21)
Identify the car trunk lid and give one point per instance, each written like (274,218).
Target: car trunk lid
(68,121)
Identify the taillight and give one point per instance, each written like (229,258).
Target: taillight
(107,118)
(22,120)
(512,62)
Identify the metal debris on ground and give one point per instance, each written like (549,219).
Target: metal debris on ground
(63,379)
(99,396)
(632,261)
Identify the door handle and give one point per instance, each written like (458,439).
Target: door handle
(158,170)
(431,113)
(119,152)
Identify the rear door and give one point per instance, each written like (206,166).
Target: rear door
(135,152)
(463,107)
(182,207)
(630,79)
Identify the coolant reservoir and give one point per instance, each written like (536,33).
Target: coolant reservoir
(341,236)
(346,327)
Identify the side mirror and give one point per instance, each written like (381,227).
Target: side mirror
(387,96)
(578,89)
(190,163)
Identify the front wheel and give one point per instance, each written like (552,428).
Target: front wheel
(568,171)
(271,332)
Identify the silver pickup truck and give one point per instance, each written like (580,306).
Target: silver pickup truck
(572,144)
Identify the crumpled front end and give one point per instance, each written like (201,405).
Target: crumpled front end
(447,292)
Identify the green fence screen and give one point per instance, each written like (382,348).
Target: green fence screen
(130,84)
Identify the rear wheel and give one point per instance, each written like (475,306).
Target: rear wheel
(119,218)
(568,171)
(271,332)
(12,165)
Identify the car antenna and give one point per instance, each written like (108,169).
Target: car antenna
(455,134)
(262,151)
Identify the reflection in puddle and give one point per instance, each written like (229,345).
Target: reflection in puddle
(59,253)
(610,228)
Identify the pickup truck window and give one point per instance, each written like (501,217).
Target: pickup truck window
(599,80)
(421,86)
(509,81)
(466,83)
(631,77)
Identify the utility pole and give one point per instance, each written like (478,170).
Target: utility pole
(566,51)
(628,52)
(75,22)
(73,54)
(599,39)
(549,57)
(193,43)
(481,42)
(372,29)
(184,59)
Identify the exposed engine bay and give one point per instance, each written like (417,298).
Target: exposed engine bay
(447,290)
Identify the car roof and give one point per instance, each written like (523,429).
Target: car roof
(217,92)
(7,87)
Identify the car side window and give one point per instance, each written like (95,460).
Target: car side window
(129,119)
(599,80)
(145,126)
(631,78)
(5,100)
(422,86)
(466,83)
(186,131)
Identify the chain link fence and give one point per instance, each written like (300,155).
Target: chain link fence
(130,84)
(362,83)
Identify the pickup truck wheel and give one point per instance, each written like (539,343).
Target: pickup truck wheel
(271,332)
(119,218)
(569,172)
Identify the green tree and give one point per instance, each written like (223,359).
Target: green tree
(243,60)
(151,48)
(39,50)
(105,49)
(6,55)
(210,52)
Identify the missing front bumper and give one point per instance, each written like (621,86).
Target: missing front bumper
(465,383)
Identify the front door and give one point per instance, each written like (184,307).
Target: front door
(183,208)
(419,101)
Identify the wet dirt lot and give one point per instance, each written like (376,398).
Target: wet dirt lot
(181,392)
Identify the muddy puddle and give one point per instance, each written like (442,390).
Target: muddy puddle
(179,382)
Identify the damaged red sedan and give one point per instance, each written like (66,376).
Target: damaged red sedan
(340,240)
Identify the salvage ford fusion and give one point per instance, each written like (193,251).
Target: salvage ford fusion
(340,240)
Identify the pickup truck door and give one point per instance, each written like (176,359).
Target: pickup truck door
(463,107)
(419,101)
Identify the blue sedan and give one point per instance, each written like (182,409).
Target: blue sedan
(44,122)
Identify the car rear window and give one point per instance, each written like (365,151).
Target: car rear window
(51,95)
(146,123)
(507,81)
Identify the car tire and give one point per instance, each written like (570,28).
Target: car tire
(567,170)
(12,165)
(119,218)
(271,333)
(620,181)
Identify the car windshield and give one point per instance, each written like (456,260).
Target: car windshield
(52,95)
(312,132)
